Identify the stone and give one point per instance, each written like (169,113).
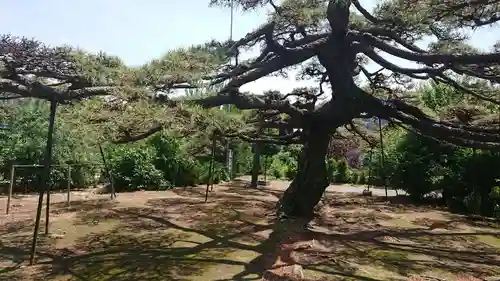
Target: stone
(292,272)
(56,236)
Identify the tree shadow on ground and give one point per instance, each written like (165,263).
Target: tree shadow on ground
(132,251)
(17,226)
(181,238)
(247,191)
(392,204)
(241,183)
(83,205)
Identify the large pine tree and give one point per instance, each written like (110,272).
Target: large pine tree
(333,42)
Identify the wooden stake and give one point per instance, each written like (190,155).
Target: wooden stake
(11,186)
(382,156)
(69,186)
(210,170)
(45,180)
(108,172)
(113,194)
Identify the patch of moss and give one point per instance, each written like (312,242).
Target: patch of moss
(378,272)
(227,271)
(386,255)
(70,233)
(489,240)
(398,222)
(147,255)
(324,273)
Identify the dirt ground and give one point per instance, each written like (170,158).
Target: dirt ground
(175,235)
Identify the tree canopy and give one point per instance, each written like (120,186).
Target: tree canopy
(333,43)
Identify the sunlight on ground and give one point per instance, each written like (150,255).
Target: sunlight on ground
(489,240)
(226,271)
(398,222)
(174,235)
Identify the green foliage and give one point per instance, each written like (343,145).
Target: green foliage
(420,165)
(24,144)
(338,172)
(284,163)
(278,169)
(164,160)
(495,191)
(242,155)
(341,172)
(182,65)
(353,177)
(161,162)
(133,168)
(436,96)
(331,166)
(362,178)
(219,172)
(268,149)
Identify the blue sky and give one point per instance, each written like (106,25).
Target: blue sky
(138,31)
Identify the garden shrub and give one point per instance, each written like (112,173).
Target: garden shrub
(341,172)
(420,165)
(362,178)
(331,166)
(133,168)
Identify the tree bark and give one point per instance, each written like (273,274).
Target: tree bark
(308,186)
(255,165)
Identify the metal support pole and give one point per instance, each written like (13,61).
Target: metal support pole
(11,186)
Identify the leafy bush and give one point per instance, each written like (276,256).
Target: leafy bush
(353,177)
(277,169)
(362,178)
(24,144)
(283,165)
(341,172)
(133,168)
(242,158)
(290,172)
(331,166)
(203,172)
(419,165)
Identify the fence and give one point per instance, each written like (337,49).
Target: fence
(68,188)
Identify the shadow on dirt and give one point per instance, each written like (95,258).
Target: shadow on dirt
(181,238)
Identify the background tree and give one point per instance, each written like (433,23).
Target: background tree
(465,177)
(28,69)
(24,143)
(178,134)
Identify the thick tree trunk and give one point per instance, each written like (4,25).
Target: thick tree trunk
(255,165)
(308,186)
